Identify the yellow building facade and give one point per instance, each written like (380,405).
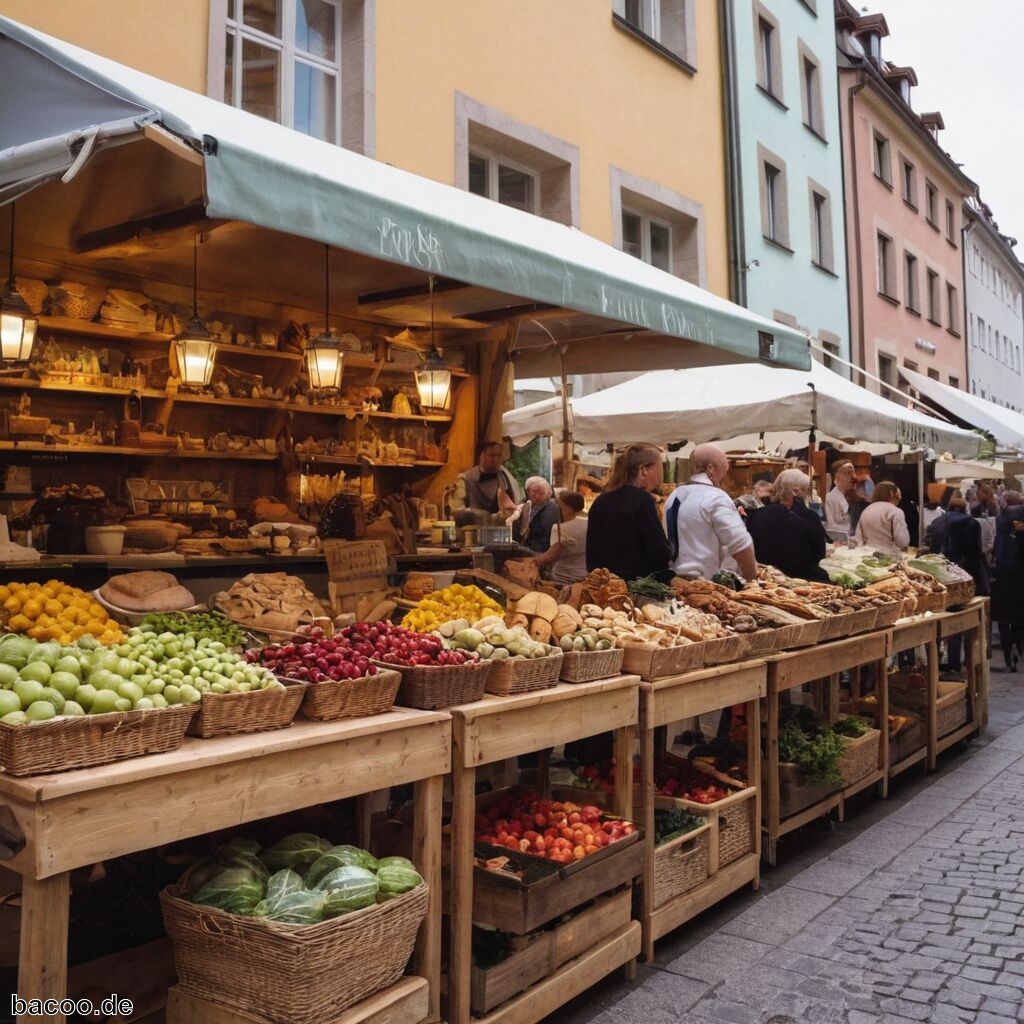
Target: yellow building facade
(602,114)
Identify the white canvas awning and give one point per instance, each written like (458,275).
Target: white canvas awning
(966,469)
(260,173)
(1005,425)
(721,402)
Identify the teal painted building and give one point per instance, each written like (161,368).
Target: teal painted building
(788,240)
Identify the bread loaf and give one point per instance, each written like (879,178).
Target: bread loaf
(140,584)
(170,599)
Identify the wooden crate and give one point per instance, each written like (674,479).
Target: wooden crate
(505,902)
(861,756)
(908,740)
(950,707)
(794,793)
(661,662)
(546,951)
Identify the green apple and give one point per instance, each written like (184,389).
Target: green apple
(36,670)
(40,711)
(28,691)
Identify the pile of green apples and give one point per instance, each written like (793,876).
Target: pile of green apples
(41,681)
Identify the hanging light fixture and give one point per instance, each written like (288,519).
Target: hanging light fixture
(17,324)
(433,378)
(195,347)
(324,357)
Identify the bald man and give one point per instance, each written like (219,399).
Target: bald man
(706,531)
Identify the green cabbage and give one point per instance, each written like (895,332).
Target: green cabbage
(199,874)
(283,883)
(348,888)
(297,851)
(234,858)
(236,890)
(339,857)
(396,876)
(301,907)
(243,845)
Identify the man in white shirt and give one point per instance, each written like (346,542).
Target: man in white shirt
(706,530)
(837,501)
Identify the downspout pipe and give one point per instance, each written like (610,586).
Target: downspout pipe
(734,184)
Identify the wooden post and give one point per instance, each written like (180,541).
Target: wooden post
(461,922)
(882,693)
(647,791)
(428,795)
(624,740)
(43,953)
(772,783)
(931,722)
(754,777)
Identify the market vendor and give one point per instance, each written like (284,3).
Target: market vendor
(488,486)
(882,525)
(537,515)
(624,533)
(567,552)
(706,531)
(786,533)
(837,501)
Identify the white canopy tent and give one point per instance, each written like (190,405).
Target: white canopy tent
(718,403)
(1005,425)
(954,469)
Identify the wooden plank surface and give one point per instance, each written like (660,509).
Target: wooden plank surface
(496,728)
(832,801)
(908,762)
(92,825)
(402,1003)
(195,754)
(910,633)
(569,981)
(697,693)
(43,953)
(797,667)
(678,911)
(426,855)
(143,975)
(951,623)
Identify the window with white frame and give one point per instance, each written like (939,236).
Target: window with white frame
(886,269)
(934,299)
(282,61)
(908,183)
(952,309)
(950,222)
(910,291)
(931,204)
(668,22)
(647,239)
(495,177)
(882,159)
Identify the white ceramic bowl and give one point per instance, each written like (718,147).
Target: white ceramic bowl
(104,540)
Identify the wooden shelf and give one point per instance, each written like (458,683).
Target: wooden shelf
(69,325)
(259,353)
(369,363)
(356,460)
(36,447)
(78,389)
(411,419)
(329,410)
(240,403)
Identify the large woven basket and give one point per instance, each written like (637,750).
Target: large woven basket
(836,626)
(586,666)
(63,744)
(950,707)
(737,829)
(931,602)
(520,675)
(334,699)
(662,662)
(432,687)
(800,634)
(795,793)
(291,974)
(355,559)
(959,593)
(681,864)
(764,641)
(887,614)
(861,756)
(726,648)
(229,714)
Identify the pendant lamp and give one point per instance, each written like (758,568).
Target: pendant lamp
(195,347)
(17,324)
(433,378)
(324,357)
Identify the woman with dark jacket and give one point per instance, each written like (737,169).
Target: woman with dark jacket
(786,533)
(963,546)
(1008,579)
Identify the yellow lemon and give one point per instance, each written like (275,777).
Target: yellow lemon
(13,604)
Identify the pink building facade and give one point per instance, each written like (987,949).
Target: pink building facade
(904,202)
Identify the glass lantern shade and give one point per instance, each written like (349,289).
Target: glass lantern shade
(196,352)
(434,382)
(324,361)
(17,332)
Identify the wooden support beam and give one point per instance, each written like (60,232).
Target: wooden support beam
(180,225)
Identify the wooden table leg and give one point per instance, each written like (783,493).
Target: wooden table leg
(931,723)
(461,909)
(772,782)
(427,857)
(754,777)
(972,640)
(624,744)
(364,818)
(43,953)
(647,789)
(882,693)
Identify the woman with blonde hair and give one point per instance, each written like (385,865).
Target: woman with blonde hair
(882,525)
(786,533)
(624,532)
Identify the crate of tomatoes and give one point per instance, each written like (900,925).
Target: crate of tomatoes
(537,859)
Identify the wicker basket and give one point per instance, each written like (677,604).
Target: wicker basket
(887,614)
(291,974)
(795,794)
(763,641)
(836,626)
(931,602)
(658,663)
(586,666)
(355,559)
(950,708)
(800,634)
(86,741)
(520,675)
(334,699)
(861,756)
(432,687)
(959,593)
(681,864)
(736,828)
(909,739)
(228,714)
(726,648)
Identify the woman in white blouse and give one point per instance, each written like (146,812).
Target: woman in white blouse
(882,525)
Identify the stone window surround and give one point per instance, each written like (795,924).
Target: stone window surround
(761,13)
(677,37)
(826,258)
(815,104)
(931,212)
(912,294)
(555,161)
(882,172)
(933,299)
(885,388)
(766,156)
(689,251)
(358,69)
(888,288)
(910,198)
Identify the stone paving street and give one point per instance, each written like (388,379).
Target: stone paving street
(913,910)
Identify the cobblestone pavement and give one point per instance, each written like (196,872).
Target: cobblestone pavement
(913,910)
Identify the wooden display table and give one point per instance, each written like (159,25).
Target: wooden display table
(821,663)
(497,728)
(674,699)
(56,823)
(906,634)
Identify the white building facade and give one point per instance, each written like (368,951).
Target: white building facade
(993,289)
